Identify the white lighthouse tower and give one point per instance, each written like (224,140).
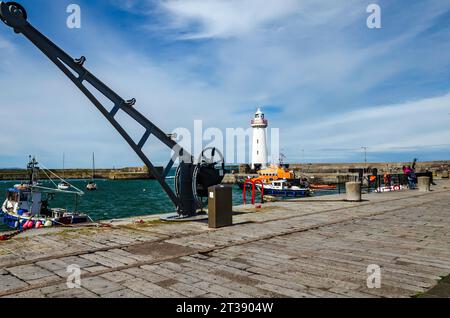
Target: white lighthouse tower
(259,151)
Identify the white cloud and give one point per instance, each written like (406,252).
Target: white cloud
(224,19)
(419,126)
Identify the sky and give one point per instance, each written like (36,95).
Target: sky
(329,83)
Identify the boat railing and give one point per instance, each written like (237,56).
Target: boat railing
(260,122)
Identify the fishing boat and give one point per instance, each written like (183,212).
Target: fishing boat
(92,186)
(27,204)
(283,188)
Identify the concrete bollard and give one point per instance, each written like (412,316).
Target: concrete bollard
(353,191)
(424,184)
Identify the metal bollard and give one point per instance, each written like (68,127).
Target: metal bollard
(353,191)
(220,206)
(424,184)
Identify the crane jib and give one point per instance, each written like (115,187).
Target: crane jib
(187,178)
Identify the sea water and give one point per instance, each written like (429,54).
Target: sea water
(116,199)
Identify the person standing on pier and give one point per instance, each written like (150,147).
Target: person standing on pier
(411,176)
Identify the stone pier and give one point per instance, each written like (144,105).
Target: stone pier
(316,247)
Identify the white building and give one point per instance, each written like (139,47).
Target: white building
(259,146)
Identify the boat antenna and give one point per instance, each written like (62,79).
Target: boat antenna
(281,159)
(33,170)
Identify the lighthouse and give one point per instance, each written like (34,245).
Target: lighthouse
(259,146)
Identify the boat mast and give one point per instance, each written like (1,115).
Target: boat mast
(64,166)
(93,167)
(33,171)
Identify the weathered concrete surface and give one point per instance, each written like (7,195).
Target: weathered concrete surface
(318,247)
(423,184)
(353,191)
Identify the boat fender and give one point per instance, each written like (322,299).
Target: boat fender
(29,225)
(48,223)
(38,225)
(25,225)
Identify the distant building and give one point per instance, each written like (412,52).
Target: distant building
(259,146)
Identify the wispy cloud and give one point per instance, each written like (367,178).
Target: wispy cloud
(225,19)
(421,126)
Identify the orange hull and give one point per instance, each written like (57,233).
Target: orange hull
(323,187)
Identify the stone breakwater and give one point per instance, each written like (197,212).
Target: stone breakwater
(110,174)
(321,173)
(333,173)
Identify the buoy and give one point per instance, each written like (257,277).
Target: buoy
(38,224)
(48,223)
(25,225)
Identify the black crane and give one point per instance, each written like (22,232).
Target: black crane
(192,178)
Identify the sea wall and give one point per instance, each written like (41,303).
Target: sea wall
(332,173)
(343,168)
(111,174)
(321,172)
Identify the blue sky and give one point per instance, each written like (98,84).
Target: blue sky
(327,81)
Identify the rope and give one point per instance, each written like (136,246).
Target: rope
(61,179)
(9,236)
(58,190)
(49,178)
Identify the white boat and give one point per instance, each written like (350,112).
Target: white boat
(92,186)
(64,186)
(283,188)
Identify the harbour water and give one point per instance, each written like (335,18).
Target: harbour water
(119,198)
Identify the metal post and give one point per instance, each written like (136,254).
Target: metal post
(365,156)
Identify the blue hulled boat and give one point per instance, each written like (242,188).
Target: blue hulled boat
(27,205)
(283,188)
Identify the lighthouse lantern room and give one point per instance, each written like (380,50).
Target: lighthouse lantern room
(259,146)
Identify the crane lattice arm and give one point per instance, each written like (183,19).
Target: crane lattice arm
(15,16)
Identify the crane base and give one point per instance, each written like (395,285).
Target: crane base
(175,217)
